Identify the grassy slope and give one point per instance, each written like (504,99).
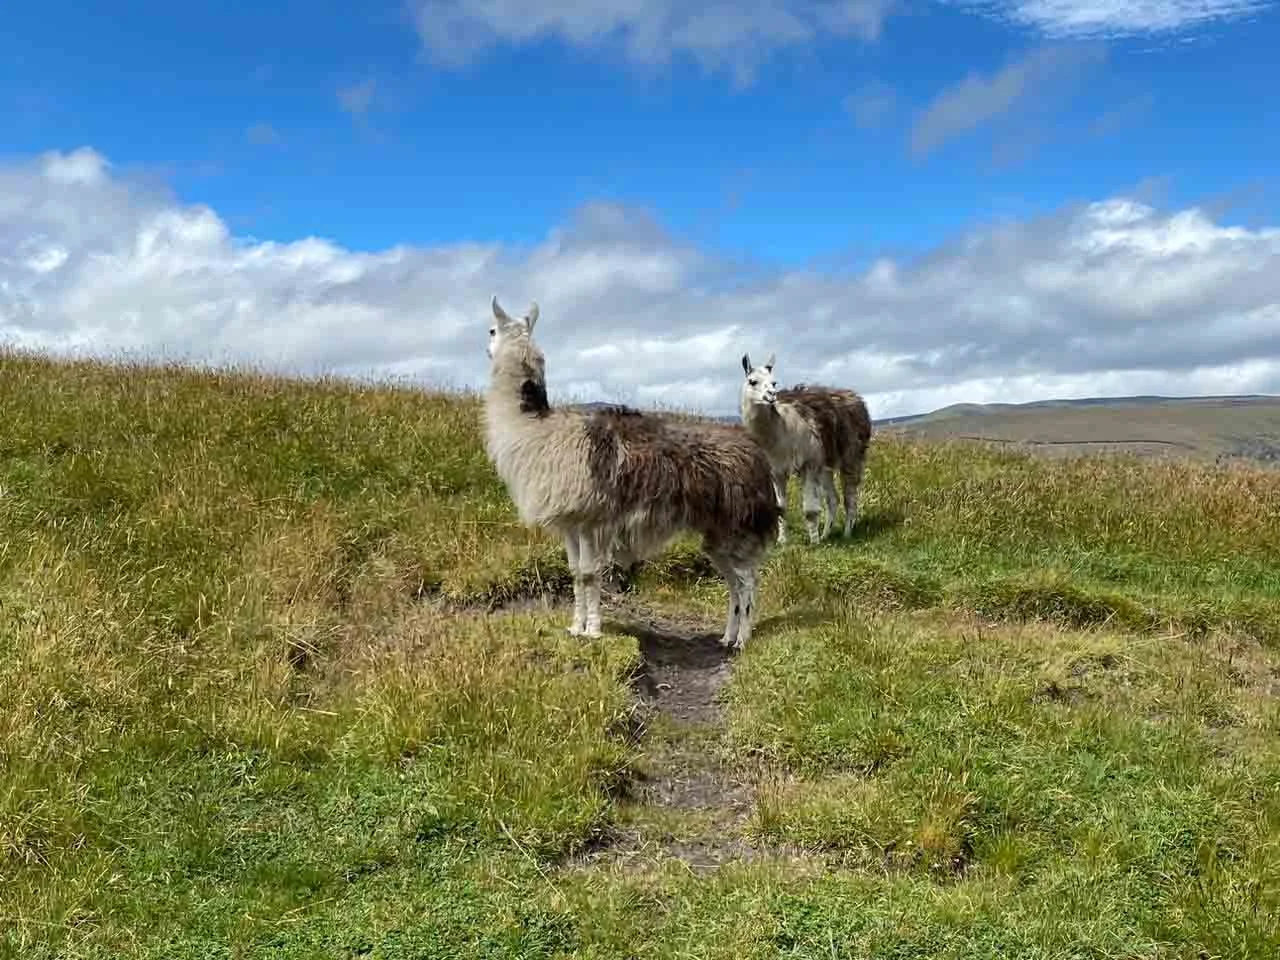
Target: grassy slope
(251,703)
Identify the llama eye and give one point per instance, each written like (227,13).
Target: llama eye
(492,331)
(754,383)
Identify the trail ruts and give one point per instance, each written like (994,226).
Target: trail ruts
(683,775)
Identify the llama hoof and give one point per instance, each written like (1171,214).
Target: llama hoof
(573,631)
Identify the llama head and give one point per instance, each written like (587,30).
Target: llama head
(760,386)
(507,330)
(515,362)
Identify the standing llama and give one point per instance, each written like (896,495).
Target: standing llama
(812,431)
(617,479)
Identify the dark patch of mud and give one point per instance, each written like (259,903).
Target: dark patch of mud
(682,670)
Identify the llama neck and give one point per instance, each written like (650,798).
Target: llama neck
(519,393)
(762,419)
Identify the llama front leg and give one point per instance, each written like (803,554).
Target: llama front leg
(780,479)
(572,555)
(812,502)
(734,618)
(833,503)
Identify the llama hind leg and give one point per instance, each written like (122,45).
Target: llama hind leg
(746,573)
(852,481)
(833,502)
(733,622)
(572,555)
(724,565)
(812,501)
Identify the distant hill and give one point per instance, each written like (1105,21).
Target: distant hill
(962,409)
(1205,428)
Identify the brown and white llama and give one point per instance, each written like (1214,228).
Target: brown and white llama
(813,431)
(617,480)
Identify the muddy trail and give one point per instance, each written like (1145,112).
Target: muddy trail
(689,798)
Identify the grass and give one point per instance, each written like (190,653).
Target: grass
(256,700)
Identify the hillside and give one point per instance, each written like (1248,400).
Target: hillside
(1205,428)
(281,676)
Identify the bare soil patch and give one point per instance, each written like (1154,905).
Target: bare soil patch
(688,800)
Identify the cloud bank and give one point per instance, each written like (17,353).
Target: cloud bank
(739,36)
(736,36)
(1113,297)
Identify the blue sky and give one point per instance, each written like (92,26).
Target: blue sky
(781,137)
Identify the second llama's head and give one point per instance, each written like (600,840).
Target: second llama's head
(760,386)
(515,362)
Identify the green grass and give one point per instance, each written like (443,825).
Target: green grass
(255,701)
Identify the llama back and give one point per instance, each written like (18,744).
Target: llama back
(840,419)
(682,472)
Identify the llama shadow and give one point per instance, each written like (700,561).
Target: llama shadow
(876,522)
(795,620)
(680,675)
(667,646)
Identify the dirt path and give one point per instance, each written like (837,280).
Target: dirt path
(690,798)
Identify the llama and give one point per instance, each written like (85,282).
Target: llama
(812,431)
(618,481)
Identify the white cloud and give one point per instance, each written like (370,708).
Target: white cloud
(735,35)
(1113,19)
(1114,297)
(978,99)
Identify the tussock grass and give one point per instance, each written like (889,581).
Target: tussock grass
(254,699)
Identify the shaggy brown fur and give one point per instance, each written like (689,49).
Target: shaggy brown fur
(841,419)
(711,476)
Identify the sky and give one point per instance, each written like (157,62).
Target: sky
(929,201)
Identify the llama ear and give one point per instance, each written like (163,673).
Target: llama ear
(498,313)
(746,364)
(768,364)
(531,317)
